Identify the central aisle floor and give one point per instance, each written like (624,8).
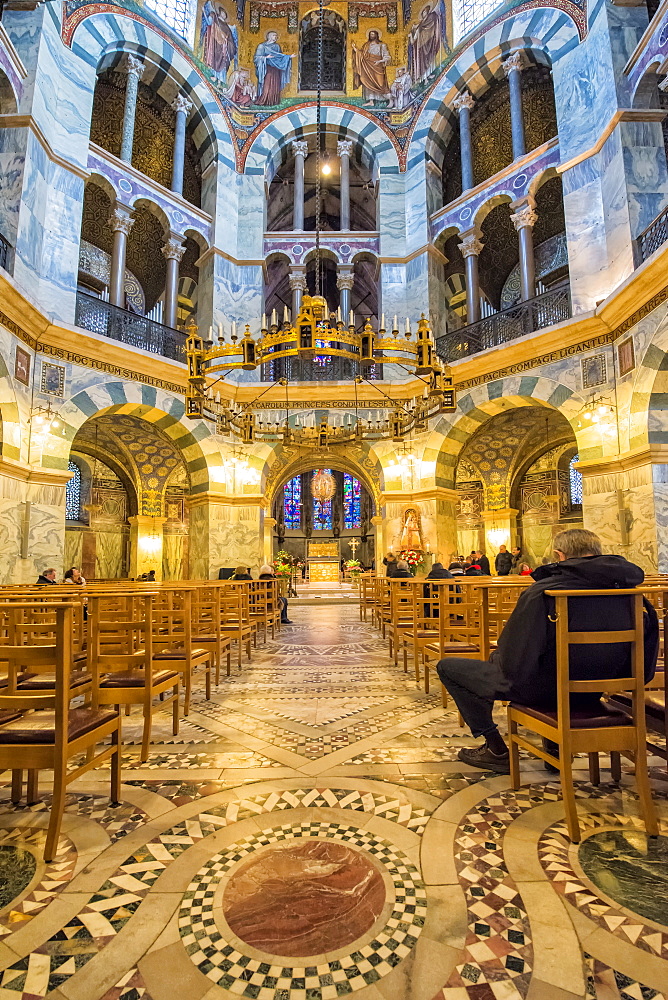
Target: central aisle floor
(310,835)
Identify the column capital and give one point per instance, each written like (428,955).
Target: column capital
(523,216)
(471,243)
(297,281)
(664,84)
(121,220)
(173,249)
(344,147)
(133,66)
(345,280)
(463,101)
(181,103)
(513,62)
(300,147)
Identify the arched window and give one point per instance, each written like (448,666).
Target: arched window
(575,481)
(333,51)
(178,14)
(73,494)
(322,512)
(292,503)
(352,498)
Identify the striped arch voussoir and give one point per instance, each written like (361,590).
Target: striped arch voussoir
(161,409)
(477,405)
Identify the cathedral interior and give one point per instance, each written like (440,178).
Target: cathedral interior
(298,284)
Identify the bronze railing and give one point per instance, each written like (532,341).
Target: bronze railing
(128,328)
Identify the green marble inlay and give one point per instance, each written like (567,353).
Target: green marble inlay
(631,868)
(17,870)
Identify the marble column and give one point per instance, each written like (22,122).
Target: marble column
(269,525)
(344,148)
(471,245)
(463,104)
(297,280)
(182,107)
(379,543)
(172,251)
(146,543)
(512,67)
(121,222)
(524,219)
(300,149)
(134,69)
(344,282)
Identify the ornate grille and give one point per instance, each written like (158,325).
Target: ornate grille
(120,324)
(73,494)
(544,310)
(468,13)
(654,236)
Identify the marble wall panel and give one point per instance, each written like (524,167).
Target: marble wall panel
(73,547)
(391,212)
(645,172)
(417,222)
(224,535)
(109,551)
(13,142)
(173,556)
(46,530)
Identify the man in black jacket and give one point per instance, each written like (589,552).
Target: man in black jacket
(483,562)
(523,666)
(46,578)
(503,562)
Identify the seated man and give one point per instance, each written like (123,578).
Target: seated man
(267,573)
(523,666)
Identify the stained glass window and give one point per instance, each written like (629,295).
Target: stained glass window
(73,494)
(352,496)
(292,503)
(322,512)
(575,481)
(178,14)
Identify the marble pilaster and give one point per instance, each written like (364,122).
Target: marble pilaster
(146,545)
(224,533)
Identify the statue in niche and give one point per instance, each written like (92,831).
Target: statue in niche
(424,42)
(400,91)
(274,70)
(411,535)
(370,69)
(219,41)
(241,90)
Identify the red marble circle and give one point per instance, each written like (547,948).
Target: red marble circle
(304,898)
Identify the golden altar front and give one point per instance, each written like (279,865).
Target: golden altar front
(323,562)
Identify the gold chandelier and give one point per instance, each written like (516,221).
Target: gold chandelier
(313,335)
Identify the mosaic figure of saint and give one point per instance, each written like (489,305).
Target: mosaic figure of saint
(400,90)
(219,41)
(424,42)
(241,90)
(370,69)
(274,70)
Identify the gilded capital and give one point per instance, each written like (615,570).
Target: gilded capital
(513,62)
(345,281)
(463,101)
(181,103)
(344,147)
(121,220)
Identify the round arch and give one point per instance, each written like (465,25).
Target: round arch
(282,471)
(192,438)
(448,438)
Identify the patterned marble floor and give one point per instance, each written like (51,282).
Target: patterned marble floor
(311,834)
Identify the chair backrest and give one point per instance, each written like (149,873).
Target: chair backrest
(55,658)
(119,645)
(631,610)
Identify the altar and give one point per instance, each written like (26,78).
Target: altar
(323,562)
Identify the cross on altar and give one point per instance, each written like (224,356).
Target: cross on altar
(354,544)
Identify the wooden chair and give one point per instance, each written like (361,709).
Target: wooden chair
(120,659)
(173,645)
(366,582)
(39,730)
(235,617)
(610,732)
(462,626)
(207,626)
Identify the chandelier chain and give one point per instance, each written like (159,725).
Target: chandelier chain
(318,121)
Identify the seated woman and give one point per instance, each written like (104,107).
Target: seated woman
(75,577)
(241,573)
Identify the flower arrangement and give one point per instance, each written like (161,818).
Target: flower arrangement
(413,557)
(283,563)
(354,566)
